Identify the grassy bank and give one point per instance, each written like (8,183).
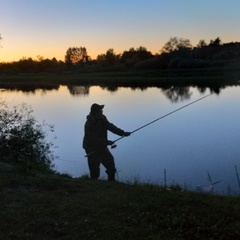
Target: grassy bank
(39,206)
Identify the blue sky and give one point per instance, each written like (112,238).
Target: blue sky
(49,27)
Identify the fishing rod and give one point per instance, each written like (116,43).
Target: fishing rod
(113,145)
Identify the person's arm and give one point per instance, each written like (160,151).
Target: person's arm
(114,129)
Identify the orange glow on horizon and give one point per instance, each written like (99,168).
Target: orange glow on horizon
(14,56)
(10,52)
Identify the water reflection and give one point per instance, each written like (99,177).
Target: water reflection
(189,144)
(114,88)
(110,88)
(29,88)
(79,90)
(173,93)
(176,94)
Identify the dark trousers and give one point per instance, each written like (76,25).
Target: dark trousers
(105,158)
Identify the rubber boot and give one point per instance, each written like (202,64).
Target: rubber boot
(111,177)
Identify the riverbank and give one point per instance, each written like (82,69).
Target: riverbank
(50,206)
(164,78)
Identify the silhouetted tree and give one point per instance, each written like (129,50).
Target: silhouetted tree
(110,57)
(47,64)
(133,56)
(201,43)
(26,64)
(76,55)
(175,44)
(215,42)
(176,53)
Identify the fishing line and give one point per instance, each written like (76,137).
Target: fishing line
(166,115)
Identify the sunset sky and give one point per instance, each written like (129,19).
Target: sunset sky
(49,27)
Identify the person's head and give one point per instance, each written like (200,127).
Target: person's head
(97,110)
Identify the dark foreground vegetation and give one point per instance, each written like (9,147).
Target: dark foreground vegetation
(45,206)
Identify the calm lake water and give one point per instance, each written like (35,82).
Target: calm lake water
(201,138)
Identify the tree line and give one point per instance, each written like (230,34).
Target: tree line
(177,53)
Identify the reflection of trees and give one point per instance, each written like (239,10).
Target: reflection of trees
(110,88)
(78,90)
(29,89)
(176,94)
(139,88)
(202,89)
(115,88)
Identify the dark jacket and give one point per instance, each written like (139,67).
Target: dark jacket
(95,137)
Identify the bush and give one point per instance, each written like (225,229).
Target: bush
(152,63)
(23,138)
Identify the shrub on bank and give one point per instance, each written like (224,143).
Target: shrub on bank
(23,138)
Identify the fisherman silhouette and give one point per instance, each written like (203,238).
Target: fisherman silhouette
(95,142)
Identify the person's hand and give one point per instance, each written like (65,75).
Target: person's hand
(110,142)
(126,134)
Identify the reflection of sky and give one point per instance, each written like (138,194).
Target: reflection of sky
(202,137)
